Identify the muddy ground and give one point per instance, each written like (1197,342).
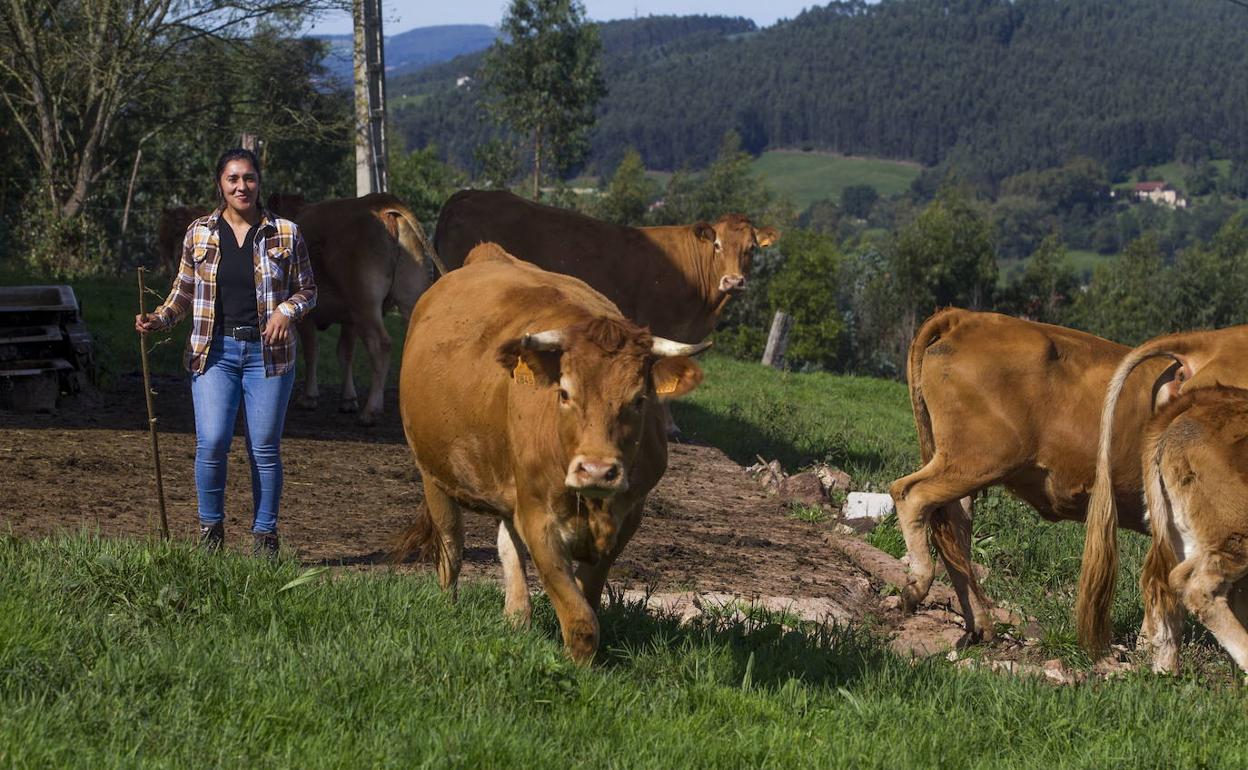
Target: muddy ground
(711,533)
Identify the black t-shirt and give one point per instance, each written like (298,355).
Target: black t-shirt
(236,282)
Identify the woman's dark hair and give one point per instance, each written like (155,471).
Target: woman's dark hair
(238,153)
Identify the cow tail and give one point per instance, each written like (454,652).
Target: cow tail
(412,237)
(944,534)
(1099,572)
(1159,600)
(420,536)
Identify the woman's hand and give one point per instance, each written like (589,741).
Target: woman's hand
(277,330)
(144,323)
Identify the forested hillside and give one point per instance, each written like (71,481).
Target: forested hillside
(999,86)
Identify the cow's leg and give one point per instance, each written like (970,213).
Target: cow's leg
(577,620)
(1204,586)
(916,497)
(592,578)
(307,341)
(516,606)
(348,401)
(1163,615)
(377,341)
(448,530)
(951,530)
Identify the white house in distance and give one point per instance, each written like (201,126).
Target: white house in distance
(1160,193)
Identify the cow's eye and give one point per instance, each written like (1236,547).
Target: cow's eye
(563,396)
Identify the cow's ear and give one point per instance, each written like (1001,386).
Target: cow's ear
(529,367)
(675,376)
(766,236)
(704,231)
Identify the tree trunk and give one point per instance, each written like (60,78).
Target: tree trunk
(537,164)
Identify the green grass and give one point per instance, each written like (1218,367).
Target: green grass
(126,654)
(805,177)
(860,424)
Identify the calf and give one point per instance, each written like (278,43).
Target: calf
(1196,360)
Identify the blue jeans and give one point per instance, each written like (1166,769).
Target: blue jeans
(234,373)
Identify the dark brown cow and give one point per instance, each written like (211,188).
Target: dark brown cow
(170,232)
(368,255)
(673,280)
(998,400)
(526,395)
(1203,359)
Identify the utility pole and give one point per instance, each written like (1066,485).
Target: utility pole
(371,172)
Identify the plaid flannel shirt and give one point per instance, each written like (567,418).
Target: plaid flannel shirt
(284,284)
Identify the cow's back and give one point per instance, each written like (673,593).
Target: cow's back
(1045,384)
(453,391)
(613,259)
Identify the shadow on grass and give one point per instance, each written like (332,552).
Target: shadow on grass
(745,441)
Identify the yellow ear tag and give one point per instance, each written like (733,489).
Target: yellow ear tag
(522,373)
(668,385)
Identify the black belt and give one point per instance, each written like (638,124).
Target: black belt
(245,333)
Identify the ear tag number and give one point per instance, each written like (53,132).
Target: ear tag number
(522,373)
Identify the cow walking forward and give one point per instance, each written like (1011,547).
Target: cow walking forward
(1196,360)
(526,395)
(368,255)
(999,400)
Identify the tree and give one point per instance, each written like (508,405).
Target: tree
(629,192)
(74,72)
(543,74)
(423,182)
(857,200)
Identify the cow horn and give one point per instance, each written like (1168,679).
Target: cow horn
(665,348)
(551,339)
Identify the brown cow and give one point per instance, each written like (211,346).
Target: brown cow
(1195,464)
(674,280)
(526,395)
(368,255)
(1202,359)
(999,400)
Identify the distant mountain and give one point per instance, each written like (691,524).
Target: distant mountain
(412,50)
(993,87)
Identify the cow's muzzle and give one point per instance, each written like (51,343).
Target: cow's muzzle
(733,284)
(596,477)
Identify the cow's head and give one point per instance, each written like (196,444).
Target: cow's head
(734,240)
(603,378)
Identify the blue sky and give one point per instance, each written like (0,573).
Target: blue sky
(402,15)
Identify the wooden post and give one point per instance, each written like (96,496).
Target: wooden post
(247,141)
(151,416)
(778,340)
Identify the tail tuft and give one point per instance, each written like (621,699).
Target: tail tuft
(418,537)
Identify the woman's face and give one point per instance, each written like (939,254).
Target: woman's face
(240,185)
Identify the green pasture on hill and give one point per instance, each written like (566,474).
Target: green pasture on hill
(123,653)
(805,177)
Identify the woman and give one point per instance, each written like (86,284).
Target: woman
(245,280)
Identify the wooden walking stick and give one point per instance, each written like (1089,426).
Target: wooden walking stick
(151,416)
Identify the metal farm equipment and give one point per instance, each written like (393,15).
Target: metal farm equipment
(45,348)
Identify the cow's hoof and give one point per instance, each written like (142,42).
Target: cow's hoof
(367,419)
(307,403)
(910,599)
(969,638)
(349,406)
